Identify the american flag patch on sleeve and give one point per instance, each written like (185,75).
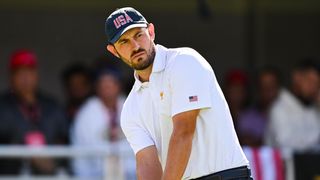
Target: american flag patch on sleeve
(193,98)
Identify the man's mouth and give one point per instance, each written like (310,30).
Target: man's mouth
(137,54)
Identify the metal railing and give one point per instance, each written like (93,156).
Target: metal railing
(104,152)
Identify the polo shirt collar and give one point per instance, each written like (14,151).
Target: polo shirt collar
(138,84)
(159,59)
(158,66)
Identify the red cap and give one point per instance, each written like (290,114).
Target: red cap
(23,58)
(236,76)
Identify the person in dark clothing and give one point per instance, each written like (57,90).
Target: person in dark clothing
(77,84)
(236,92)
(28,117)
(253,121)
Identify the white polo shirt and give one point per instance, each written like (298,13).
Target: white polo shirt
(182,80)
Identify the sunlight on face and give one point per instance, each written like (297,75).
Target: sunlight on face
(136,48)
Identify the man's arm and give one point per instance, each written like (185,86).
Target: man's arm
(148,164)
(180,145)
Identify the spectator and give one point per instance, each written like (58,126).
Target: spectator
(253,121)
(294,119)
(318,101)
(236,91)
(28,117)
(77,86)
(97,122)
(318,96)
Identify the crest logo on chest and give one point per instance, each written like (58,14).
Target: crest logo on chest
(161,95)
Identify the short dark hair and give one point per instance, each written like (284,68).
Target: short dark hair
(307,64)
(269,69)
(74,69)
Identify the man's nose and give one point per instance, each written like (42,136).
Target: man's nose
(135,45)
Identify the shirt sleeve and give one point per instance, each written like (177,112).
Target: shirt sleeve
(137,136)
(191,83)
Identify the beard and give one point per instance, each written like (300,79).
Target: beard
(144,63)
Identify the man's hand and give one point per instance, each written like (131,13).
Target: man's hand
(184,125)
(148,164)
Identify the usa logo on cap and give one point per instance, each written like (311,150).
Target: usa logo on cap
(121,20)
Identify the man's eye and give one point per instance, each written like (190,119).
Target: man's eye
(122,42)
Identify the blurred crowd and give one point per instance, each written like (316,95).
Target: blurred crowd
(268,112)
(89,118)
(265,110)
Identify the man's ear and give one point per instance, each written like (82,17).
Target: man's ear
(112,50)
(151,31)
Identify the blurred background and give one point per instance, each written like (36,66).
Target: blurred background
(229,34)
(262,51)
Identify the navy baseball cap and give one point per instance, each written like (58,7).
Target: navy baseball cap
(121,20)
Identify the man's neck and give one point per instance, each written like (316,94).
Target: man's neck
(110,103)
(28,98)
(144,75)
(305,101)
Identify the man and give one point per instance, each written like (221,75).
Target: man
(28,117)
(175,118)
(294,118)
(76,80)
(252,122)
(97,123)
